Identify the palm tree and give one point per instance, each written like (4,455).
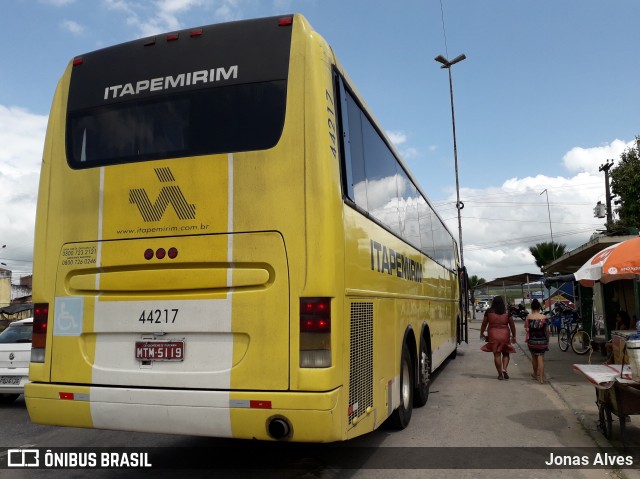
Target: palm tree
(545,253)
(474,282)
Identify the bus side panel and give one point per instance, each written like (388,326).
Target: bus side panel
(399,300)
(323,246)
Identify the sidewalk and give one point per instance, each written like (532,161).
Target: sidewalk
(573,389)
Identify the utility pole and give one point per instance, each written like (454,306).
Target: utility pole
(553,248)
(606,168)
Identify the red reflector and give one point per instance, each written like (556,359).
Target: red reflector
(260,404)
(315,315)
(196,32)
(148,254)
(285,21)
(172,37)
(172,253)
(160,253)
(315,325)
(66,396)
(40,317)
(78,61)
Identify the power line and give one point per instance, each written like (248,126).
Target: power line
(526,239)
(528,221)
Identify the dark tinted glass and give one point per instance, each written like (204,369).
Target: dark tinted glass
(198,122)
(378,184)
(382,188)
(17,333)
(408,208)
(358,189)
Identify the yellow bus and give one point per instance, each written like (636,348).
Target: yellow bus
(228,245)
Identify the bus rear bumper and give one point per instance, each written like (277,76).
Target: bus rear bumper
(307,417)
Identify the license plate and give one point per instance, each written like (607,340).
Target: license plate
(163,350)
(12,380)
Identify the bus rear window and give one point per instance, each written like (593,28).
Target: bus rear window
(239,117)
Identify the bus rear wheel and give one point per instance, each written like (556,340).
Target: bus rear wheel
(400,418)
(421,392)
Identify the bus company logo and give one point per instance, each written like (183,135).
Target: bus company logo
(169,195)
(23,458)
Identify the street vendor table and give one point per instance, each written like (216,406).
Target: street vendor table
(616,393)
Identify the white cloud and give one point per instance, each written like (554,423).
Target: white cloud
(589,159)
(22,139)
(397,137)
(72,27)
(165,15)
(501,223)
(409,153)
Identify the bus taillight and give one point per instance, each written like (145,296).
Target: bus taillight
(39,338)
(315,332)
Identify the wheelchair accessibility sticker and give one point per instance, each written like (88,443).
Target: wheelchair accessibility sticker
(68,317)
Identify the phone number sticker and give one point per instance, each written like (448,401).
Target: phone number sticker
(78,255)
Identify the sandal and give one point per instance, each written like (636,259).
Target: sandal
(500,378)
(534,377)
(504,373)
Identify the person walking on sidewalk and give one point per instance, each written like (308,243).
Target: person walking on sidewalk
(501,333)
(537,339)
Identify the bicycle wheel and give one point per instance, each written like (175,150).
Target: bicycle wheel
(580,341)
(563,339)
(605,422)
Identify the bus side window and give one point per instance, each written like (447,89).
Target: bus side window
(353,155)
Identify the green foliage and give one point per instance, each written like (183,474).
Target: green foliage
(625,184)
(547,252)
(474,282)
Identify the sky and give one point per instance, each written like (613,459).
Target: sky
(548,93)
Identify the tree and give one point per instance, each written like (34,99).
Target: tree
(547,252)
(625,185)
(474,282)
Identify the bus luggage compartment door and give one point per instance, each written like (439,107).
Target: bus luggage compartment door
(215,316)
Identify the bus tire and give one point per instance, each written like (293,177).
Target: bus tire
(400,418)
(421,392)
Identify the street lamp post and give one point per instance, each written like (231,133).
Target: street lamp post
(459,205)
(553,250)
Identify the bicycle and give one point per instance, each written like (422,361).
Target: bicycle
(574,336)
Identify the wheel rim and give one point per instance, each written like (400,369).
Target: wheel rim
(581,342)
(563,341)
(405,392)
(424,367)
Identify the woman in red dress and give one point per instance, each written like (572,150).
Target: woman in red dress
(501,333)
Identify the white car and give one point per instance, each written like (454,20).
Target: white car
(482,306)
(15,354)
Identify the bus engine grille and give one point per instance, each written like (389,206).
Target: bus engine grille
(361,360)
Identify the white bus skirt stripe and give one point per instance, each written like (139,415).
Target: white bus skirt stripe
(153,410)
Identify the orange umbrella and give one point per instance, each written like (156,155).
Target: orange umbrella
(619,261)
